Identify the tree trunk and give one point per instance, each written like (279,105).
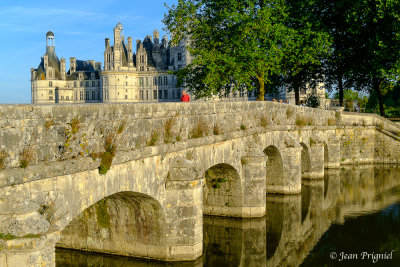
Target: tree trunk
(261,83)
(296,95)
(377,87)
(341,94)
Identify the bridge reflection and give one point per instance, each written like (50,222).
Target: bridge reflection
(292,227)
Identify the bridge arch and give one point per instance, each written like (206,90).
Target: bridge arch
(274,171)
(223,190)
(126,223)
(305,160)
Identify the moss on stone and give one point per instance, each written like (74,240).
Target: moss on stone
(103,217)
(7,236)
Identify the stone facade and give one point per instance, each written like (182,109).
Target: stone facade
(127,76)
(51,83)
(171,161)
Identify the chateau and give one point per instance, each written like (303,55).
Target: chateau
(143,76)
(126,77)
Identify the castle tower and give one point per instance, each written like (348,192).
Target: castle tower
(50,41)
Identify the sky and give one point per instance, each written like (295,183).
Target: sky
(80,28)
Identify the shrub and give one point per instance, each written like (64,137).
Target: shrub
(242,127)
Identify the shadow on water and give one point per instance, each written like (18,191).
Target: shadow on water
(352,210)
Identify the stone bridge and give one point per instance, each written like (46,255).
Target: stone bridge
(136,179)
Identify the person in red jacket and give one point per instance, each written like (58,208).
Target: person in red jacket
(185,97)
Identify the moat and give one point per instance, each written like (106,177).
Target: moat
(351,217)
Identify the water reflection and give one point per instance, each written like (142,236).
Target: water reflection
(351,202)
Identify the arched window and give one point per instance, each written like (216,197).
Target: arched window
(160,81)
(165,80)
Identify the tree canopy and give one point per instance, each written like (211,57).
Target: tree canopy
(239,44)
(264,44)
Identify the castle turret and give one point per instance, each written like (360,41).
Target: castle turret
(62,68)
(72,65)
(156,36)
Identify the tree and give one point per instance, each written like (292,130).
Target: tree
(302,64)
(366,45)
(338,19)
(377,47)
(237,43)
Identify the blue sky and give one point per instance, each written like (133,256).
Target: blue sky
(79,28)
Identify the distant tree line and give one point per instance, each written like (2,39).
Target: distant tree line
(262,45)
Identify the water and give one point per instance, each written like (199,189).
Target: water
(350,218)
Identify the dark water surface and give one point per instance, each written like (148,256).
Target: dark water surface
(350,218)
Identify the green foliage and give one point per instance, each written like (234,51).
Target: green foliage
(108,155)
(313,101)
(237,44)
(242,127)
(31,236)
(216,182)
(7,236)
(103,217)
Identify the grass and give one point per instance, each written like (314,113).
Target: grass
(169,124)
(289,113)
(7,236)
(244,160)
(199,130)
(304,121)
(264,121)
(103,217)
(26,157)
(155,136)
(3,156)
(217,129)
(48,124)
(75,125)
(121,128)
(242,127)
(331,121)
(107,156)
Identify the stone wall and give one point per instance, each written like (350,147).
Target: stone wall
(66,160)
